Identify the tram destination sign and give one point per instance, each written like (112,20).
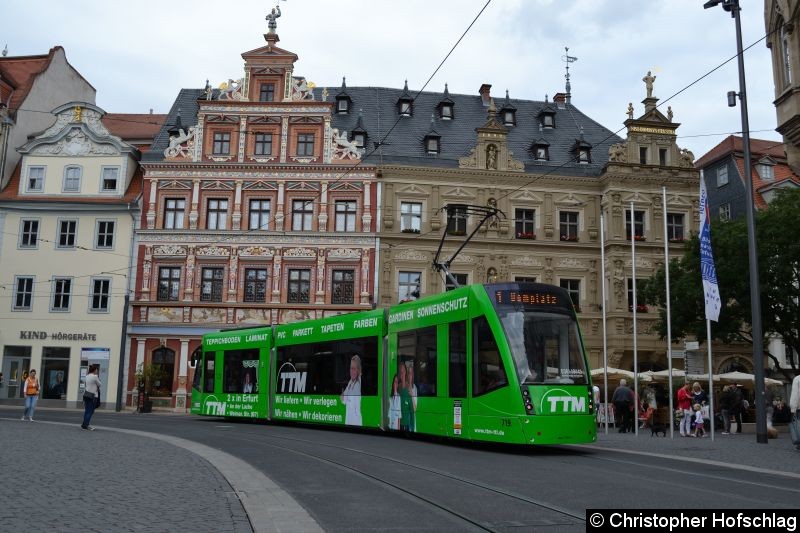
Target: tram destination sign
(530,297)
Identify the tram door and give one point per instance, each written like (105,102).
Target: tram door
(457,376)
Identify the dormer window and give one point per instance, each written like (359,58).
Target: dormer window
(360,139)
(109,179)
(266,92)
(432,144)
(540,150)
(343,100)
(766,169)
(508,113)
(446,111)
(584,156)
(405,104)
(548,121)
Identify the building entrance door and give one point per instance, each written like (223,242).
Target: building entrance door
(13,369)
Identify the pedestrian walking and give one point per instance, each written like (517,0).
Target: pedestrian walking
(739,406)
(91,396)
(622,400)
(726,406)
(31,395)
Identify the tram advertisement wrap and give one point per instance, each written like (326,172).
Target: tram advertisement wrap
(560,399)
(239,405)
(327,410)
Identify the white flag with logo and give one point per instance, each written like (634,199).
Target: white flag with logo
(710,286)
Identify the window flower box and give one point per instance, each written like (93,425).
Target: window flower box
(639,238)
(409,230)
(456,232)
(640,308)
(569,238)
(526,235)
(677,239)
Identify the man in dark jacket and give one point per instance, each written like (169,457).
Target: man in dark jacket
(726,400)
(738,406)
(622,400)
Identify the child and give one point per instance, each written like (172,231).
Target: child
(699,429)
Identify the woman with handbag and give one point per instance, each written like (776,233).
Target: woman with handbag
(91,396)
(31,389)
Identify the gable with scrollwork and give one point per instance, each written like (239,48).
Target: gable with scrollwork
(213,251)
(410,255)
(299,252)
(256,251)
(344,253)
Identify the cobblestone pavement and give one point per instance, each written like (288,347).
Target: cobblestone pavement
(739,450)
(60,478)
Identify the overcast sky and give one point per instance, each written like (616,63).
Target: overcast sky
(138,55)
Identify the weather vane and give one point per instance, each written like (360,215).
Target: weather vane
(566,58)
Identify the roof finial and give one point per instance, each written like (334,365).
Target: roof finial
(344,85)
(545,98)
(5,50)
(271,19)
(446,91)
(568,59)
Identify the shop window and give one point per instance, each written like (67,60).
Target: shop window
(458,359)
(239,371)
(489,374)
(416,357)
(54,378)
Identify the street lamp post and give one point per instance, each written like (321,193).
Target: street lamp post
(755,290)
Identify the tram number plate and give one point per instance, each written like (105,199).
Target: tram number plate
(505,422)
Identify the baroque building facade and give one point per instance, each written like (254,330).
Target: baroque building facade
(67,220)
(781,19)
(255,212)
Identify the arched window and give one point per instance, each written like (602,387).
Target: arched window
(734,365)
(164,360)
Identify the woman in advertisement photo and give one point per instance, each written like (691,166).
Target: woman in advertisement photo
(351,396)
(395,412)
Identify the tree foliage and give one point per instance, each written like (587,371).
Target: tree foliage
(779,280)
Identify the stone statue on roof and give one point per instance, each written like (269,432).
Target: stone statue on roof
(630,109)
(669,113)
(648,83)
(272,19)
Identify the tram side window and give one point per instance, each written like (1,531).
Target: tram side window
(458,359)
(209,372)
(239,371)
(324,368)
(417,351)
(197,358)
(488,373)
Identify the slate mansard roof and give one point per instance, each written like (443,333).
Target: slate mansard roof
(404,145)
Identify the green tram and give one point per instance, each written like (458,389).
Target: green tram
(500,362)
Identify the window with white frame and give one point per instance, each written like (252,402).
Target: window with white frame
(222,143)
(568,225)
(305,144)
(408,285)
(766,172)
(722,175)
(67,231)
(62,293)
(410,217)
(23,293)
(641,305)
(72,179)
(457,220)
(99,298)
(573,288)
(263,144)
(174,209)
(35,181)
(346,215)
(725,211)
(29,233)
(211,284)
(105,234)
(259,214)
(110,179)
(675,226)
(169,284)
(255,284)
(638,224)
(302,215)
(217,214)
(525,223)
(525,279)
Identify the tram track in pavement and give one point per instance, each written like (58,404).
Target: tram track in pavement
(479,524)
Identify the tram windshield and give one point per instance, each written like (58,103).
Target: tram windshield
(545,346)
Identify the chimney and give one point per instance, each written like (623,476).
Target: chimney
(484,92)
(560,100)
